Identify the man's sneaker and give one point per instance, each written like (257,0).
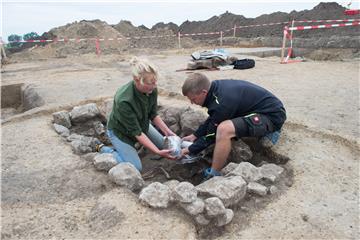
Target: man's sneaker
(270,139)
(209,173)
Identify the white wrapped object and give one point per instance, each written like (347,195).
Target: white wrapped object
(185,144)
(173,143)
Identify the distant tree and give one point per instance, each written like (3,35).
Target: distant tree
(14,40)
(31,35)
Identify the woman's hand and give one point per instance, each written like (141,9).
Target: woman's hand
(166,153)
(190,138)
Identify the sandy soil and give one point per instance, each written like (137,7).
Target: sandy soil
(48,192)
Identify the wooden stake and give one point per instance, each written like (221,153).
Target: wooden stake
(221,38)
(283,46)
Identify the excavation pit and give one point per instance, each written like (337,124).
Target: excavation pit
(252,177)
(18,98)
(156,169)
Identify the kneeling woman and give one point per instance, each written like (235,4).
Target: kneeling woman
(133,113)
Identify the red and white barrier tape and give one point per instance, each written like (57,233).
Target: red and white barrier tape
(354,22)
(255,25)
(113,39)
(300,21)
(324,26)
(292,28)
(337,20)
(287,59)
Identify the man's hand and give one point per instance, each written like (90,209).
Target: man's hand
(190,138)
(184,151)
(166,153)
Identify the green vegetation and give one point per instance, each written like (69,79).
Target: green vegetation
(31,35)
(14,41)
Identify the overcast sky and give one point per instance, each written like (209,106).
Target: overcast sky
(20,17)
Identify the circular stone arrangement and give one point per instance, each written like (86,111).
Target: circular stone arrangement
(210,202)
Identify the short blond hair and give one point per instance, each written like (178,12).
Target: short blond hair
(195,83)
(141,66)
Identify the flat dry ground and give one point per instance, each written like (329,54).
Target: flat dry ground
(48,192)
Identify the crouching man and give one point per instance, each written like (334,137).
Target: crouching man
(236,109)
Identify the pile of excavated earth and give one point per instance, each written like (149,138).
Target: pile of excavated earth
(164,36)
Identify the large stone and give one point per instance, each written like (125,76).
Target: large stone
(89,157)
(31,98)
(190,120)
(82,144)
(125,174)
(84,112)
(230,190)
(225,218)
(271,172)
(228,168)
(104,161)
(62,118)
(185,192)
(75,137)
(80,147)
(194,208)
(249,172)
(214,207)
(170,115)
(240,152)
(202,220)
(61,130)
(172,185)
(99,128)
(257,188)
(273,190)
(175,128)
(155,195)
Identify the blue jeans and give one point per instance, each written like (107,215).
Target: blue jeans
(124,152)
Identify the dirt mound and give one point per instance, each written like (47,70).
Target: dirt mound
(88,30)
(171,26)
(85,29)
(141,35)
(91,30)
(163,36)
(227,20)
(127,29)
